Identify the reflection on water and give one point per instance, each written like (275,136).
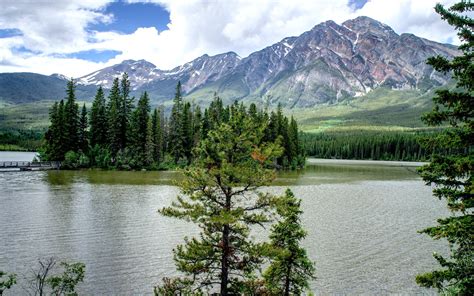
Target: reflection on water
(362,223)
(113,177)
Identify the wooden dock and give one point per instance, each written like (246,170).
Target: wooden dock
(29,165)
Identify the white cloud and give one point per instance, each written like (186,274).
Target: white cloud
(196,27)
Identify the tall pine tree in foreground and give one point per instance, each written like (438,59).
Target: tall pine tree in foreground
(452,164)
(220,195)
(290,267)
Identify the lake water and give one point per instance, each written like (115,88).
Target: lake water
(362,220)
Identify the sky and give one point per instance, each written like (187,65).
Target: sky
(77,37)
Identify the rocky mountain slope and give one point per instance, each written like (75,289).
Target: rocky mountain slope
(328,64)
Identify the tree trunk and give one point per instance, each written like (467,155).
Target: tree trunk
(225,247)
(287,281)
(224,262)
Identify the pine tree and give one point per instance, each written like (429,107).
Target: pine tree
(187,131)
(220,195)
(83,133)
(98,120)
(53,147)
(293,144)
(125,108)
(176,126)
(71,119)
(197,125)
(113,119)
(156,136)
(139,130)
(452,164)
(290,268)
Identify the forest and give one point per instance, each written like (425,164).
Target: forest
(20,140)
(116,134)
(373,145)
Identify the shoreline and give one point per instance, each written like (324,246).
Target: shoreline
(395,163)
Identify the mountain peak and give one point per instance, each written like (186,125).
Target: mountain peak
(59,76)
(140,62)
(364,24)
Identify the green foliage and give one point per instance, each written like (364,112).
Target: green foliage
(20,140)
(177,286)
(71,119)
(100,157)
(139,132)
(83,136)
(220,194)
(125,108)
(374,145)
(74,160)
(53,279)
(7,280)
(290,268)
(451,173)
(157,136)
(98,120)
(150,139)
(113,118)
(65,283)
(176,126)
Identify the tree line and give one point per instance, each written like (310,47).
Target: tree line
(20,140)
(372,145)
(117,134)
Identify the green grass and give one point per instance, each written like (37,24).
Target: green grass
(28,116)
(381,109)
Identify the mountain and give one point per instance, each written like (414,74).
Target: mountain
(18,88)
(328,64)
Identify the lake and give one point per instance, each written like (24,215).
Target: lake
(362,219)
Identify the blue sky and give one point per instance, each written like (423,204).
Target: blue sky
(130,16)
(76,37)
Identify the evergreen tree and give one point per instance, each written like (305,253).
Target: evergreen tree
(83,133)
(452,164)
(52,134)
(197,125)
(187,131)
(220,195)
(113,119)
(290,268)
(294,144)
(71,118)
(125,108)
(156,136)
(139,130)
(98,120)
(176,139)
(216,112)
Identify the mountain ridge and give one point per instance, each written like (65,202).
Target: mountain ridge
(327,64)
